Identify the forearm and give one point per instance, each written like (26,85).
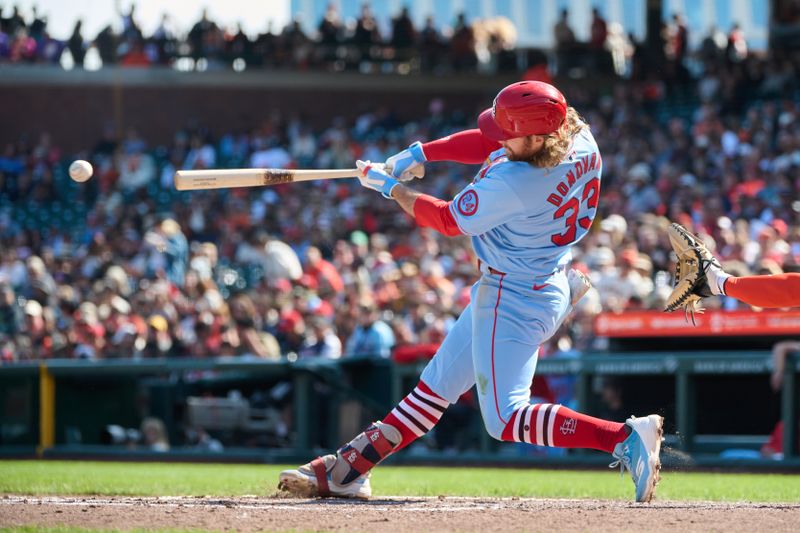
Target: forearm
(428,211)
(779,290)
(405,198)
(468,146)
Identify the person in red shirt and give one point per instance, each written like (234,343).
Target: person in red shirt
(323,271)
(598,30)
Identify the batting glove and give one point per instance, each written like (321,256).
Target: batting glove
(375,178)
(408,164)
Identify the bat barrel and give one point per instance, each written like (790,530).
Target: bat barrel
(192,180)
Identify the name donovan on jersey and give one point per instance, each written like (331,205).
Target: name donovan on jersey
(583,166)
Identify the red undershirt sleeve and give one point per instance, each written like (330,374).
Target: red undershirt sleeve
(468,146)
(431,212)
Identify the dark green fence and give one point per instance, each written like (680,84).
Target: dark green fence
(711,402)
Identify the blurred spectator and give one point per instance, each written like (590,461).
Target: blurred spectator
(372,337)
(280,261)
(10,313)
(620,47)
(14,21)
(462,45)
(366,34)
(641,194)
(713,46)
(431,46)
(564,42)
(598,30)
(403,35)
(598,33)
(106,43)
(737,46)
(135,56)
(77,45)
(331,33)
(677,40)
(170,251)
(154,434)
(322,272)
(251,340)
(199,34)
(321,341)
(159,342)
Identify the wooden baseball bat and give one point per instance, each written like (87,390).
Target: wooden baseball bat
(193,180)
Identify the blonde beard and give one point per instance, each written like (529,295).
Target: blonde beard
(556,145)
(526,155)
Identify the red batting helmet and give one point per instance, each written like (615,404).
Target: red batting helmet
(524,108)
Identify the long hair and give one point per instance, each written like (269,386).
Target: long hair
(556,145)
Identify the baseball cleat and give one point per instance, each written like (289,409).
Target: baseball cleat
(639,454)
(313,480)
(579,285)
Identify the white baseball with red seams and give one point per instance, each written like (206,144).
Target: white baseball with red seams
(80,170)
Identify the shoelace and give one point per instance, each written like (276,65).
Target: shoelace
(623,462)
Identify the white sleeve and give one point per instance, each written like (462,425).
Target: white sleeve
(485,204)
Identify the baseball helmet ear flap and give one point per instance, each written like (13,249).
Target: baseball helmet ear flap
(524,108)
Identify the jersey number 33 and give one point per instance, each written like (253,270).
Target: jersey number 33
(570,210)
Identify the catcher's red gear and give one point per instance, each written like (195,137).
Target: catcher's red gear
(524,108)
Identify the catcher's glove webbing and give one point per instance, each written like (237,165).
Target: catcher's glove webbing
(691,283)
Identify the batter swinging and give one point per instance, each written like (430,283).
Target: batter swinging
(534,198)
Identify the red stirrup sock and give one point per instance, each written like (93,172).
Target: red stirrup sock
(548,424)
(780,290)
(416,414)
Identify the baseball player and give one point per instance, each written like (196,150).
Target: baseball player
(534,198)
(700,275)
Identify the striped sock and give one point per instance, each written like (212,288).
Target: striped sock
(548,424)
(416,414)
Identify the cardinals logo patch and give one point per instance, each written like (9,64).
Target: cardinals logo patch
(468,203)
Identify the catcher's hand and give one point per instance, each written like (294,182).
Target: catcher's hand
(691,283)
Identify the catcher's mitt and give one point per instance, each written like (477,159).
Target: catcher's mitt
(691,283)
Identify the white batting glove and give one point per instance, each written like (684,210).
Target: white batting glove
(375,178)
(408,164)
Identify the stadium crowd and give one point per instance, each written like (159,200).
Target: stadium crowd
(363,44)
(328,269)
(336,44)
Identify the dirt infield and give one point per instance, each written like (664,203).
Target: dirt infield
(394,515)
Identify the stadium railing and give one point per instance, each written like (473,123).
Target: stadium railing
(60,408)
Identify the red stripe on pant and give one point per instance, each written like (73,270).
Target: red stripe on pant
(494,330)
(416,414)
(558,426)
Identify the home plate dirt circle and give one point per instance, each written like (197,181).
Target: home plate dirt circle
(392,514)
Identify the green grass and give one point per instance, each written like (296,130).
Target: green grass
(181,479)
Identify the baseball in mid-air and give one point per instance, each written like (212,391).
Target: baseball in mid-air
(80,170)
